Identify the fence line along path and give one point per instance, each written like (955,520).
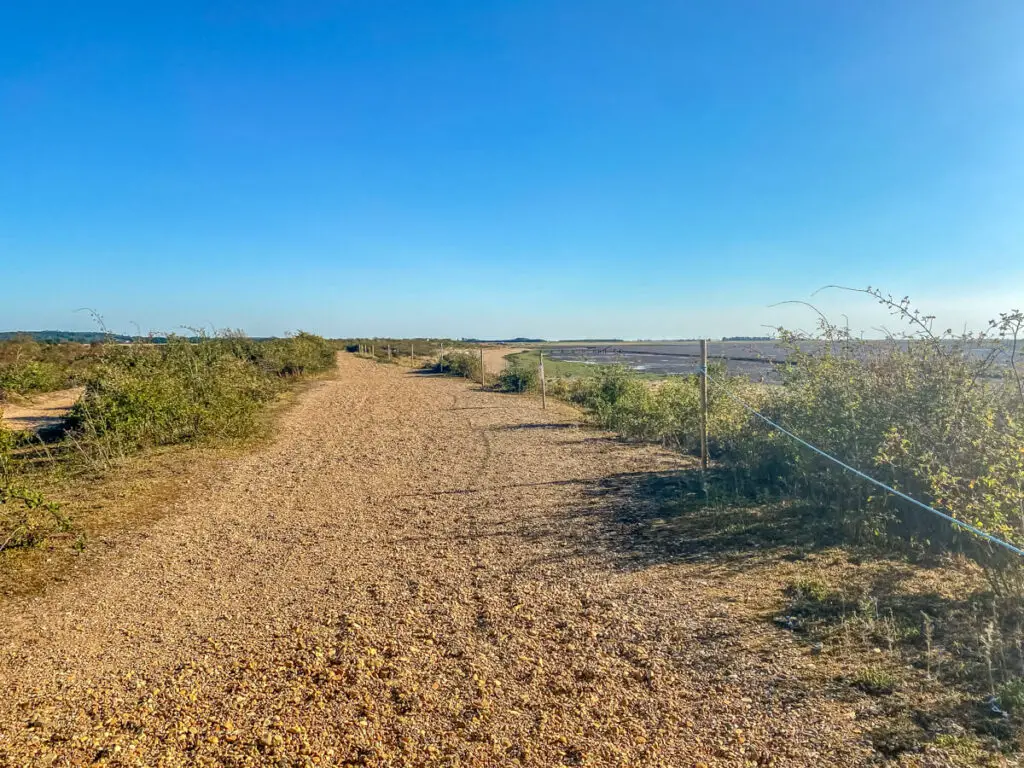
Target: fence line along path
(414,571)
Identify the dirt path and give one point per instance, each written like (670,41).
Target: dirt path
(415,572)
(41,412)
(494,358)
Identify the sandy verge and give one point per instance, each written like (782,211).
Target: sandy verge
(494,357)
(40,412)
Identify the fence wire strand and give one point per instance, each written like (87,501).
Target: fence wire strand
(958,523)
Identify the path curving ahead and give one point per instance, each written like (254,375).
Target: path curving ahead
(42,412)
(415,572)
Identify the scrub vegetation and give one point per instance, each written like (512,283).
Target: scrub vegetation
(28,367)
(935,415)
(138,397)
(401,351)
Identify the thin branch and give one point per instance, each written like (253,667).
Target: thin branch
(898,308)
(822,315)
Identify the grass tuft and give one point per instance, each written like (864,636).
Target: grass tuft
(875,681)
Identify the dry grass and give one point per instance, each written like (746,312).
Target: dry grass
(107,509)
(114,508)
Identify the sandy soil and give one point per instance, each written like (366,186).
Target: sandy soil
(494,358)
(41,412)
(415,572)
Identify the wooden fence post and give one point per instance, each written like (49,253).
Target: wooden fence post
(704,405)
(543,384)
(389,353)
(412,349)
(441,358)
(483,375)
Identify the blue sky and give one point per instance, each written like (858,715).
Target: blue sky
(560,169)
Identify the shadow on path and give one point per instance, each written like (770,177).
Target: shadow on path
(649,518)
(514,427)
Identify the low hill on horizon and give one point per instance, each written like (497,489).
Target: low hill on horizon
(82,337)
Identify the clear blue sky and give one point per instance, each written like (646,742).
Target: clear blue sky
(559,168)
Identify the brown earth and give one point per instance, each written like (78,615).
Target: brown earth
(494,358)
(40,412)
(415,572)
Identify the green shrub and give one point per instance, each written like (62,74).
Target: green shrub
(301,354)
(927,415)
(146,394)
(667,411)
(297,355)
(187,390)
(30,376)
(174,393)
(464,364)
(875,680)
(808,590)
(26,517)
(1011,695)
(939,417)
(28,367)
(516,378)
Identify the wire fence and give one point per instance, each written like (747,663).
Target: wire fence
(863,475)
(853,612)
(707,376)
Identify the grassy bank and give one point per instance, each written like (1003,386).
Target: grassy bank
(552,368)
(139,399)
(565,369)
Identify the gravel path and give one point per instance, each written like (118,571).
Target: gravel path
(415,572)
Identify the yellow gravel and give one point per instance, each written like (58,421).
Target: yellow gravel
(415,572)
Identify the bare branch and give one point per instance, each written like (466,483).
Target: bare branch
(901,308)
(822,315)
